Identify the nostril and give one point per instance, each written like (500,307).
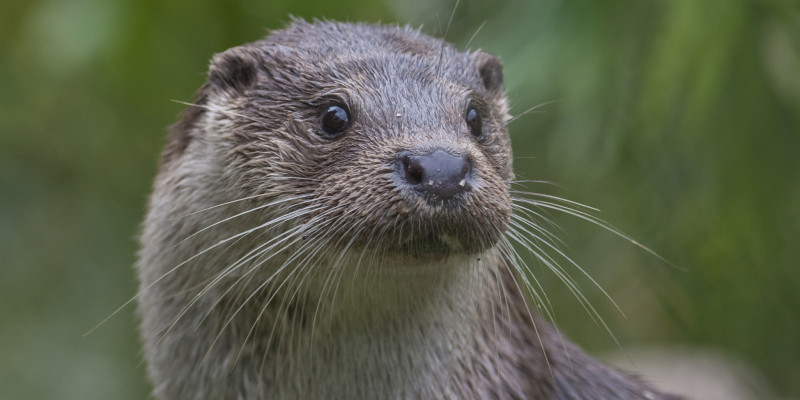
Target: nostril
(439,174)
(414,170)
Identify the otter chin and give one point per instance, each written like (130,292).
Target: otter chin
(298,196)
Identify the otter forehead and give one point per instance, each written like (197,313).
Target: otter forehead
(389,68)
(341,47)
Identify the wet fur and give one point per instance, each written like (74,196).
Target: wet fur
(277,263)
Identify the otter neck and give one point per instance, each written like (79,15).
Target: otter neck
(369,297)
(403,330)
(373,331)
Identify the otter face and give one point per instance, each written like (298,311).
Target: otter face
(390,146)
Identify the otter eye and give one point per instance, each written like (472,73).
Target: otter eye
(474,122)
(335,120)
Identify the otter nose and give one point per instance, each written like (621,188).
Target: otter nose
(439,173)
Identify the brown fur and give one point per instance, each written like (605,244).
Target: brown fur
(277,262)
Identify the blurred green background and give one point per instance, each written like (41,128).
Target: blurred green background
(679,119)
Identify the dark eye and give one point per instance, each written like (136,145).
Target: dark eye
(474,122)
(335,120)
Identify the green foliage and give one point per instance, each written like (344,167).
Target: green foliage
(680,120)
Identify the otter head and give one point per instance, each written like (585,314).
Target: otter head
(389,145)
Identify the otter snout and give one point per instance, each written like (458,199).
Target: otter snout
(437,175)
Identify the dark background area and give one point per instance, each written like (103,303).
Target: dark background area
(680,120)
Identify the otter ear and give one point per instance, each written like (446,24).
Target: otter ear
(235,69)
(491,70)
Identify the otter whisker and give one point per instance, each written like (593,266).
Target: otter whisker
(212,247)
(303,250)
(541,299)
(521,212)
(446,31)
(553,265)
(261,207)
(548,261)
(320,243)
(308,267)
(269,245)
(335,265)
(524,182)
(596,221)
(521,292)
(227,203)
(525,273)
(165,274)
(375,258)
(380,224)
(556,199)
(258,250)
(466,46)
(530,110)
(261,286)
(503,303)
(258,253)
(261,248)
(308,250)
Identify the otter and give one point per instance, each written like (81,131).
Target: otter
(333,218)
